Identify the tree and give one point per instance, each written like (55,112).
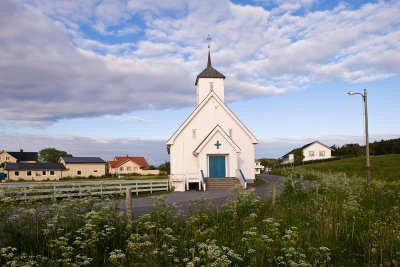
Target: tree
(165,167)
(298,155)
(52,155)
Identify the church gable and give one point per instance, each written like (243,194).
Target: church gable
(210,102)
(218,133)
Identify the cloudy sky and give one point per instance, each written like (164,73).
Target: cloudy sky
(115,77)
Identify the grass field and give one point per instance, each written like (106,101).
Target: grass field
(385,167)
(337,221)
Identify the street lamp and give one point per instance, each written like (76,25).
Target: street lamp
(364,97)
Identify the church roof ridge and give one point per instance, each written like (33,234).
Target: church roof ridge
(209,72)
(200,106)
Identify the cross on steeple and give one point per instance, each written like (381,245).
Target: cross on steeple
(217,144)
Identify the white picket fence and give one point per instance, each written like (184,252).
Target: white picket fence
(84,188)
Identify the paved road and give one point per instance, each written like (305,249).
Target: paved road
(182,199)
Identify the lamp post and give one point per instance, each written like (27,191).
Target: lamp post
(364,97)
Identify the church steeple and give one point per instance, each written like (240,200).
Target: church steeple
(209,80)
(209,58)
(209,72)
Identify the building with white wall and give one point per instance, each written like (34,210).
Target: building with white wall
(212,142)
(312,151)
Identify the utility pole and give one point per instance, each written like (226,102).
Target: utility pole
(366,137)
(367,168)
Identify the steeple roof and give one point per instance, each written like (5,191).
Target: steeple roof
(209,72)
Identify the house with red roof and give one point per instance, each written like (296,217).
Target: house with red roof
(127,165)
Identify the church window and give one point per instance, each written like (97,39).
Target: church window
(211,86)
(322,153)
(311,153)
(194,133)
(230,132)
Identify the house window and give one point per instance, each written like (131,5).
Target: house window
(230,132)
(311,153)
(194,133)
(211,86)
(43,172)
(94,170)
(121,168)
(78,172)
(7,158)
(52,173)
(135,169)
(28,173)
(16,173)
(322,153)
(128,168)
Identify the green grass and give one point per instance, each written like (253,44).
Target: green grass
(343,223)
(385,167)
(259,181)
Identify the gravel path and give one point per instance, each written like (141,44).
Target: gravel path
(182,200)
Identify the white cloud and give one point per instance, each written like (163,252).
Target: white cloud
(54,68)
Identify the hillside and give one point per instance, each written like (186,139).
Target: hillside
(385,167)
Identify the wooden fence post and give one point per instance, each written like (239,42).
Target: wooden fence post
(235,199)
(128,206)
(345,175)
(273,194)
(330,172)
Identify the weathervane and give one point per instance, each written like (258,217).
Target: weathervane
(209,40)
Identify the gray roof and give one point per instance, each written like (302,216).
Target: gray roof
(83,160)
(24,156)
(34,166)
(209,72)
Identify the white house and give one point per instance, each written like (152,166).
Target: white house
(212,142)
(258,167)
(312,151)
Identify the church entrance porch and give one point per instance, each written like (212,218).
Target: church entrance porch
(217,166)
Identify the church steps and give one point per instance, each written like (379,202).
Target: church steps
(221,183)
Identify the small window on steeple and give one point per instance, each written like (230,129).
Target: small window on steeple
(211,86)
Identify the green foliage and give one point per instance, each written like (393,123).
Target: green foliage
(52,155)
(151,167)
(382,147)
(298,155)
(165,167)
(319,220)
(269,162)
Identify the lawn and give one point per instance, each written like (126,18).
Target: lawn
(385,167)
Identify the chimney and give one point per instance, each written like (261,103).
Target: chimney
(127,155)
(21,150)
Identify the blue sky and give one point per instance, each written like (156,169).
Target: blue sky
(106,78)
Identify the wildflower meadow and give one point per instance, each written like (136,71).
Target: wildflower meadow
(331,221)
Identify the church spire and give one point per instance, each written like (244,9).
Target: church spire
(209,57)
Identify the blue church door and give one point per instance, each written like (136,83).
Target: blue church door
(217,166)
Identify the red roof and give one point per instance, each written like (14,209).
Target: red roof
(141,161)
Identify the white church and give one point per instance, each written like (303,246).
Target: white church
(212,147)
